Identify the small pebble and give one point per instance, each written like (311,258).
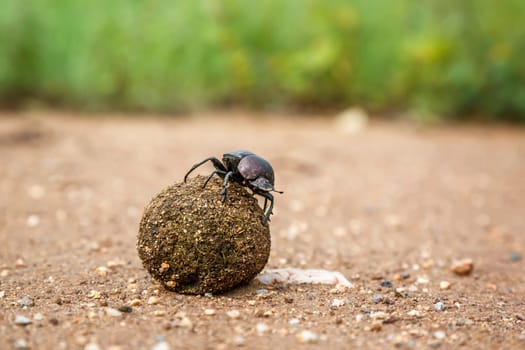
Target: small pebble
(444,285)
(153,300)
(25,302)
(514,256)
(439,306)
(377,298)
(491,286)
(386,284)
(439,335)
(294,321)
(115,263)
(427,264)
(162,345)
(268,313)
(125,308)
(422,280)
(38,316)
(113,312)
(258,313)
(2,294)
(92,346)
(22,320)
(54,321)
(434,344)
(338,302)
(185,322)
(135,302)
(102,271)
(114,347)
(239,341)
(379,315)
(262,328)
(20,263)
(261,291)
(159,313)
(233,314)
(462,267)
(22,344)
(401,292)
(418,332)
(376,326)
(414,313)
(339,288)
(94,294)
(307,337)
(33,220)
(209,312)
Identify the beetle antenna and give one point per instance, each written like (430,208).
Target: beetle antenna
(274,190)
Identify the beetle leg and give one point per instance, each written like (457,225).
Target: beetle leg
(219,172)
(225,184)
(216,163)
(265,204)
(269,197)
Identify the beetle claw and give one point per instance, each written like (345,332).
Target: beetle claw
(265,220)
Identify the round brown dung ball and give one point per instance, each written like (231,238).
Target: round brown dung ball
(193,243)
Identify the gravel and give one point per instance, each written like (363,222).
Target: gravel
(346,187)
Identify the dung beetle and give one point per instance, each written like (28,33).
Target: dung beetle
(248,170)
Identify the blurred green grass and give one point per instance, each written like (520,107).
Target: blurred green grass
(442,58)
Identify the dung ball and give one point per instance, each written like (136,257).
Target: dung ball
(192,243)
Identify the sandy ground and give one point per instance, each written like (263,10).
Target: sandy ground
(393,204)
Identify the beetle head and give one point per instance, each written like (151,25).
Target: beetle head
(263,184)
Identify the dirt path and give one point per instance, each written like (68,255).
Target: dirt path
(392,203)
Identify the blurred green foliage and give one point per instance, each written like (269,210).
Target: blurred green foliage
(443,57)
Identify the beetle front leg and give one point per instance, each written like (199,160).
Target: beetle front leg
(224,185)
(216,163)
(265,204)
(219,172)
(269,197)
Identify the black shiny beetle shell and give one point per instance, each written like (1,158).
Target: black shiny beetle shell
(249,166)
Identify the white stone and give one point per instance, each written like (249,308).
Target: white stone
(294,321)
(33,220)
(233,314)
(307,337)
(262,328)
(113,312)
(440,335)
(338,302)
(163,345)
